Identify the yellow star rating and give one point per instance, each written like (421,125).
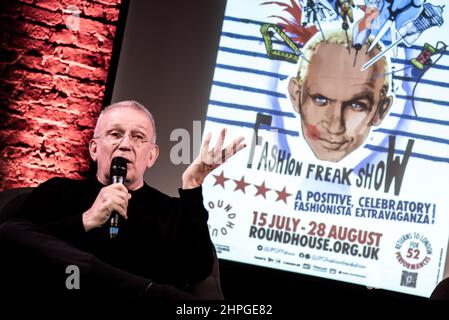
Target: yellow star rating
(261,189)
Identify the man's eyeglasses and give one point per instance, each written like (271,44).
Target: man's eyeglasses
(116,137)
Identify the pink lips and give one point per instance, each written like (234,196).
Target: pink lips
(328,143)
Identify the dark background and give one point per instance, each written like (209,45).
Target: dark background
(166,62)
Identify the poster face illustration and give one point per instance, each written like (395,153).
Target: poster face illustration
(345,110)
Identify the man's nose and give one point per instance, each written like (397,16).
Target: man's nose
(125,143)
(335,119)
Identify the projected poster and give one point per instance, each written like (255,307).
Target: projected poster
(345,110)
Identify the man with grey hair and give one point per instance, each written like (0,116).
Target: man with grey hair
(163,249)
(337,101)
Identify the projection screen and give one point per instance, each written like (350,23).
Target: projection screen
(344,107)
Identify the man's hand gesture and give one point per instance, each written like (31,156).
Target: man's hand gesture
(210,159)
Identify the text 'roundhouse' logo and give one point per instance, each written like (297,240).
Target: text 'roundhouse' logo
(223,218)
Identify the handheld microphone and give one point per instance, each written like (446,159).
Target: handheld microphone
(118,172)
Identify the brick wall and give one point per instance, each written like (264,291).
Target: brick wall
(53,70)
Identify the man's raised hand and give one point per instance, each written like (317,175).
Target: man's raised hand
(210,159)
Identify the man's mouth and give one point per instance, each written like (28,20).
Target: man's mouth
(331,144)
(127,160)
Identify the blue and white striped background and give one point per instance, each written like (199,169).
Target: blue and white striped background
(246,82)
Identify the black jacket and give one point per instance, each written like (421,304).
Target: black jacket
(165,239)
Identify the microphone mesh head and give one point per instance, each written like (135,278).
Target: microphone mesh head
(118,167)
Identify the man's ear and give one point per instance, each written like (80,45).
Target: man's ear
(154,153)
(93,149)
(382,110)
(294,90)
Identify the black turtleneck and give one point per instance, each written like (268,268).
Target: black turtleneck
(164,238)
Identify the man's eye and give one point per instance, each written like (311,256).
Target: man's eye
(359,106)
(138,137)
(320,100)
(115,134)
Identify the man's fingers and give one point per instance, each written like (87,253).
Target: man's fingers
(117,200)
(207,141)
(119,190)
(118,186)
(219,144)
(120,209)
(204,149)
(218,155)
(230,150)
(119,204)
(233,148)
(238,142)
